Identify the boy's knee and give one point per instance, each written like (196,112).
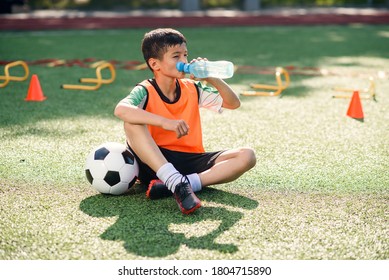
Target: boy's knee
(248,157)
(135,129)
(137,134)
(130,127)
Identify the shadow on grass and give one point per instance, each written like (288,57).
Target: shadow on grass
(145,225)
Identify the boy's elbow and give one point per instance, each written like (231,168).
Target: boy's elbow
(237,104)
(118,112)
(232,105)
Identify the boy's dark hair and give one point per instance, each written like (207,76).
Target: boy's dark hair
(156,42)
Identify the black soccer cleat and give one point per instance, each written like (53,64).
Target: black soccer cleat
(157,189)
(186,199)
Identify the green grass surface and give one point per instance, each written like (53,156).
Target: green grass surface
(320,189)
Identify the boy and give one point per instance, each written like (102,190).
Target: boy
(163,128)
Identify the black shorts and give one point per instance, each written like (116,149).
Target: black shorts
(185,163)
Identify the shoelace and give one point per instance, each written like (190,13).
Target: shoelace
(184,179)
(184,190)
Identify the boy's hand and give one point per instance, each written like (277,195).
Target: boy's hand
(199,58)
(193,76)
(179,126)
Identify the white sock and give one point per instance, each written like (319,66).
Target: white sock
(169,175)
(194,181)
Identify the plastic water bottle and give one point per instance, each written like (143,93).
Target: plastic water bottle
(206,69)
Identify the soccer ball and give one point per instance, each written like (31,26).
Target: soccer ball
(111,168)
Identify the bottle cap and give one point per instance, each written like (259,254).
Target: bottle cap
(182,67)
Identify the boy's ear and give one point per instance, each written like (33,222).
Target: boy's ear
(154,64)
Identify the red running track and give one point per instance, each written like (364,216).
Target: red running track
(149,21)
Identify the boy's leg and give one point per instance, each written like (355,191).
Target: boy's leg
(144,146)
(225,167)
(229,166)
(147,150)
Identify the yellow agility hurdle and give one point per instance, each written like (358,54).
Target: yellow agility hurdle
(274,90)
(370,91)
(7,78)
(98,81)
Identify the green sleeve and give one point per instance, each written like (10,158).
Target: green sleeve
(206,88)
(209,98)
(137,97)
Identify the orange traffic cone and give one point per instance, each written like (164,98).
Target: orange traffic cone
(35,92)
(355,108)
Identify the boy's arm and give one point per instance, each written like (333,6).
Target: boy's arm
(135,115)
(230,98)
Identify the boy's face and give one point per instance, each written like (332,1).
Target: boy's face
(167,65)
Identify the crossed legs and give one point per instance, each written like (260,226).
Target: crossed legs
(229,166)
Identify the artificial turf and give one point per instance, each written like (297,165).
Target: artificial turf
(320,189)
